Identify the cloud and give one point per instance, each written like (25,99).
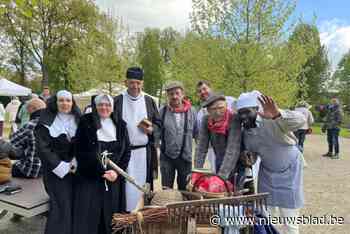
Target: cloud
(139,14)
(335,35)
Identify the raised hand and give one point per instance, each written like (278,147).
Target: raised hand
(270,108)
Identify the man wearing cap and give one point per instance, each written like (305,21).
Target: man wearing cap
(177,133)
(204,91)
(222,130)
(304,108)
(269,133)
(141,114)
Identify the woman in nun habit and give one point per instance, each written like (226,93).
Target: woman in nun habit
(99,191)
(54,136)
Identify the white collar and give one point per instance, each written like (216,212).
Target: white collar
(107,132)
(63,124)
(132,97)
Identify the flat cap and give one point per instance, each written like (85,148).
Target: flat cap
(173,84)
(213,98)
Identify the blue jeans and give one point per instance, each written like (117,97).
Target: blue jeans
(333,140)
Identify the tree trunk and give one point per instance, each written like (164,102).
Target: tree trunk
(45,74)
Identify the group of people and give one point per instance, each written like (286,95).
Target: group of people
(66,148)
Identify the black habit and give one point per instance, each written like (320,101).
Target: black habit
(53,150)
(93,205)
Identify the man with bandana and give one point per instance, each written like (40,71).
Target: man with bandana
(177,133)
(268,131)
(141,115)
(220,129)
(204,90)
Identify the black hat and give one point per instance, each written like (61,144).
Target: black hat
(134,73)
(213,98)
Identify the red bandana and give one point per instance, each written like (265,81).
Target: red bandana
(186,105)
(221,126)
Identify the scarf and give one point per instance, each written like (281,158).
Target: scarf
(186,105)
(221,126)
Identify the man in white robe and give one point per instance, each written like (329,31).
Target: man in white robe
(140,113)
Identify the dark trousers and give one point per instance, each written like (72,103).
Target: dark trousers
(333,140)
(300,134)
(168,166)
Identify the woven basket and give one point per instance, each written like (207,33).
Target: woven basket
(163,197)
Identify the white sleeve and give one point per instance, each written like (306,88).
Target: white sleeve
(62,169)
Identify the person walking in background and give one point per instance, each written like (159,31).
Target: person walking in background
(304,108)
(2,119)
(332,127)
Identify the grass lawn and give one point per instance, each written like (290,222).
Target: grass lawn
(316,129)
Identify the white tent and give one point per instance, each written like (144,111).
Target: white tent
(9,88)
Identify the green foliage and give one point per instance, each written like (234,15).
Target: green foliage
(149,56)
(342,80)
(95,58)
(240,46)
(315,72)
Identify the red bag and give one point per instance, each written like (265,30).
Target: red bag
(210,183)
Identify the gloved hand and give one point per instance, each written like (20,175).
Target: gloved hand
(324,129)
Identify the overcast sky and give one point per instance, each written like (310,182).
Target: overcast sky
(333,19)
(139,14)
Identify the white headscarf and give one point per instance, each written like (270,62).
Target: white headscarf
(63,123)
(64,94)
(104,98)
(249,99)
(107,132)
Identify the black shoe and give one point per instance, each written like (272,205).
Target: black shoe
(336,156)
(329,154)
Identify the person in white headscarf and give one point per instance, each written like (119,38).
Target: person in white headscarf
(99,191)
(55,135)
(268,131)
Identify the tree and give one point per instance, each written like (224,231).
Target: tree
(96,58)
(45,28)
(342,79)
(249,45)
(315,72)
(149,56)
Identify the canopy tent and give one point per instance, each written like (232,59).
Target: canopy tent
(9,88)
